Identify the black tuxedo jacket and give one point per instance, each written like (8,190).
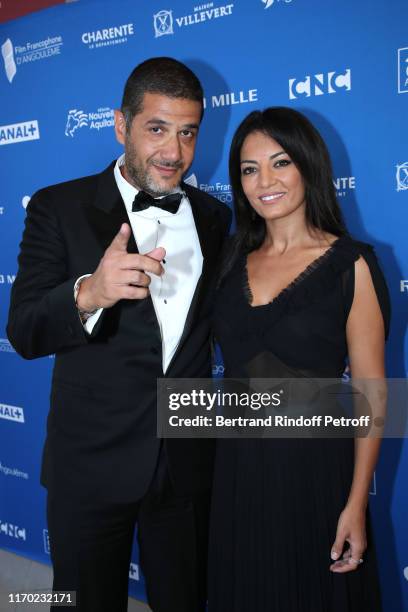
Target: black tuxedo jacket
(101,429)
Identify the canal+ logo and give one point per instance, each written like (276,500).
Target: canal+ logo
(12,413)
(19,132)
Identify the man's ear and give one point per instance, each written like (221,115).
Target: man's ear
(120,127)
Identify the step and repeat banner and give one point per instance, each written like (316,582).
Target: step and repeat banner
(62,71)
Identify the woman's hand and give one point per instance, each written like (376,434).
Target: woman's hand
(351,529)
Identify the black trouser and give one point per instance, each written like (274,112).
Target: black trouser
(91,548)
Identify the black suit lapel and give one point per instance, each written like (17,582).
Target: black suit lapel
(107,212)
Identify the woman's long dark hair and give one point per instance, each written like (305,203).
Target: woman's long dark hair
(306,148)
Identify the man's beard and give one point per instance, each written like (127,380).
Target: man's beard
(140,176)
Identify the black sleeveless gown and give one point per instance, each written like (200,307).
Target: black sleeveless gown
(276,502)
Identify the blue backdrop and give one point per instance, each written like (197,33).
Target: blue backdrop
(62,71)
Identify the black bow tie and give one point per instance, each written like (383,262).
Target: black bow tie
(144,200)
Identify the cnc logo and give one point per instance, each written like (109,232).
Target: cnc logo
(163,23)
(12,413)
(103,117)
(403,70)
(402,176)
(12,531)
(403,285)
(19,132)
(320,84)
(269,3)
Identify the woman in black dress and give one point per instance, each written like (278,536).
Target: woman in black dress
(290,530)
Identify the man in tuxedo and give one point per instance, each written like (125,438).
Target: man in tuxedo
(116,277)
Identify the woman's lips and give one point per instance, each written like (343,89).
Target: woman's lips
(271,197)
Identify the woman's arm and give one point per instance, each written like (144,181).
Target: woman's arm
(365,341)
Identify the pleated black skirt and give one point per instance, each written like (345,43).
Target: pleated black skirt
(276,504)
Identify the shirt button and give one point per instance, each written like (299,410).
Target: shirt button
(165,301)
(158,221)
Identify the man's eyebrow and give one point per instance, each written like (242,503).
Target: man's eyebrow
(157,121)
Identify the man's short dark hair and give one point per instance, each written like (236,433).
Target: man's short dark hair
(159,75)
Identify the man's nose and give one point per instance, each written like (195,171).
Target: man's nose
(171,151)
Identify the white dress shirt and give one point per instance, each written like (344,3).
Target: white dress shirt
(172,292)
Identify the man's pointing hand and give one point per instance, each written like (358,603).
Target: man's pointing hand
(120,275)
